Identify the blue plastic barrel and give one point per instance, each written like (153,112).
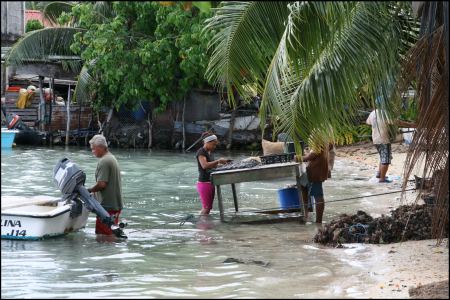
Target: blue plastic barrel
(288,198)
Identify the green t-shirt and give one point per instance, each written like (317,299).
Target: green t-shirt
(108,171)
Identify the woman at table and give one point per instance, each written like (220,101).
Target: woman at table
(206,163)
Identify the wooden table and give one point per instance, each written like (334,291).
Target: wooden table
(259,173)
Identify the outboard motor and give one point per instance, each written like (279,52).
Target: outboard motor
(15,122)
(69,178)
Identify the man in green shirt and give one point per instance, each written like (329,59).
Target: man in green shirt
(108,187)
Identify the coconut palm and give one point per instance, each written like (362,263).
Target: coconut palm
(309,59)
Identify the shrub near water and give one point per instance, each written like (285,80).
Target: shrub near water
(142,51)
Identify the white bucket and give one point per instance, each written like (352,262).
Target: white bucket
(408,134)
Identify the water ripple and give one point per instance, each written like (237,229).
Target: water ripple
(161,258)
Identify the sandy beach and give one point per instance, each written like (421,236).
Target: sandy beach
(398,267)
(366,153)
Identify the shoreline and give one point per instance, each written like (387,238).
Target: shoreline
(393,268)
(366,153)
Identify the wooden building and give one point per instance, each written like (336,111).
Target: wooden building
(55,120)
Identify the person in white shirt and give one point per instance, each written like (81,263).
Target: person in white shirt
(379,121)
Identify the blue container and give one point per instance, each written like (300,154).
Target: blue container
(8,137)
(139,114)
(288,198)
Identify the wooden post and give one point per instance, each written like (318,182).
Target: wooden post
(52,93)
(41,110)
(230,130)
(184,130)
(79,115)
(68,117)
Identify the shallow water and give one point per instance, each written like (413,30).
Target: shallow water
(162,258)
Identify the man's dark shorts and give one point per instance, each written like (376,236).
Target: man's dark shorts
(315,189)
(385,153)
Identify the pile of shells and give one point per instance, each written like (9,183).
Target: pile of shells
(407,222)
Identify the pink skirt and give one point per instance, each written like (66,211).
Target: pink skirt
(206,190)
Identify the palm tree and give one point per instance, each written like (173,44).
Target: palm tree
(310,59)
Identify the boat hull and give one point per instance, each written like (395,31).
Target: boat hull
(8,137)
(36,222)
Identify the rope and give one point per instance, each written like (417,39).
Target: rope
(352,198)
(345,199)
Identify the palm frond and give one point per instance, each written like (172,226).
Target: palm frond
(82,92)
(53,10)
(246,34)
(329,51)
(104,9)
(44,44)
(427,65)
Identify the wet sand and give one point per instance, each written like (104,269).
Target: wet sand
(367,154)
(394,268)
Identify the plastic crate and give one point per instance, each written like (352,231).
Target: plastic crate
(278,158)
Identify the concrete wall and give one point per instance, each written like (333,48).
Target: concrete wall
(13,21)
(13,27)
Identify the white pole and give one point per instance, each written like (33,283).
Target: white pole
(68,117)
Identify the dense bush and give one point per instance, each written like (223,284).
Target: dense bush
(142,51)
(33,25)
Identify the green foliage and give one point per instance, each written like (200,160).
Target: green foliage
(310,59)
(352,134)
(144,51)
(410,112)
(33,25)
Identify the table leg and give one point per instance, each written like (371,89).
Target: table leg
(233,188)
(219,197)
(299,189)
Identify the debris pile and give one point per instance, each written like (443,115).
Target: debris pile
(407,222)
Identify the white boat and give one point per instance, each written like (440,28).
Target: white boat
(40,217)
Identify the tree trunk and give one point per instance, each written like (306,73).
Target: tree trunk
(150,128)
